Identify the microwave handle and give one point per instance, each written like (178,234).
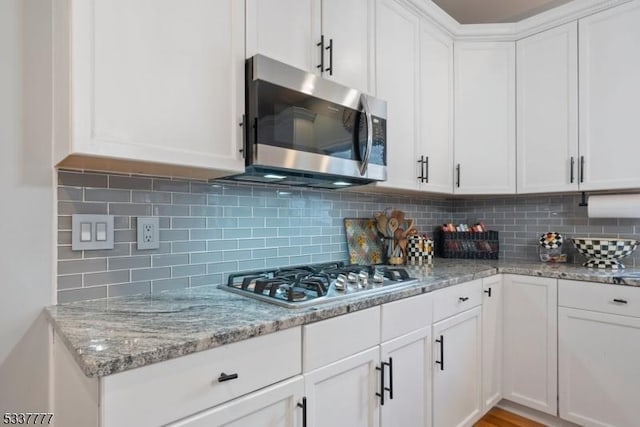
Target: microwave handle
(369,118)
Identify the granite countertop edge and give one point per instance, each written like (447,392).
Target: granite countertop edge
(81,324)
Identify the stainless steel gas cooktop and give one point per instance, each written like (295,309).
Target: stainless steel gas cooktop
(315,284)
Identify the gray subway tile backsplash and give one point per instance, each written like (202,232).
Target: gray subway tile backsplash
(527,217)
(128,183)
(79,294)
(170,260)
(106,195)
(82,266)
(119,263)
(150,273)
(171,185)
(129,289)
(106,278)
(69,282)
(188,270)
(168,284)
(209,230)
(77,179)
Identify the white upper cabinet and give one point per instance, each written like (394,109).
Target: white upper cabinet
(436,110)
(484,148)
(414,74)
(547,111)
(347,26)
(285,30)
(609,93)
(152,87)
(329,37)
(397,53)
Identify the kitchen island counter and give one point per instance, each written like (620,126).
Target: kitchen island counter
(117,334)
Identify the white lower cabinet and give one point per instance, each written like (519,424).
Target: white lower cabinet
(457,369)
(491,341)
(530,342)
(407,364)
(340,357)
(276,406)
(599,340)
(344,392)
(220,386)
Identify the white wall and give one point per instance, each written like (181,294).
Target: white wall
(26,209)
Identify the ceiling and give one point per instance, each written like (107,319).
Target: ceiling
(495,11)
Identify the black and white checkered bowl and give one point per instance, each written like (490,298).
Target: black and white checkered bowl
(604,252)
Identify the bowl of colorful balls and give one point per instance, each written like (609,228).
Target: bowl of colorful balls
(551,247)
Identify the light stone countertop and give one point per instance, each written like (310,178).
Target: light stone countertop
(113,335)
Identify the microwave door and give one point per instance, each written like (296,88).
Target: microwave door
(365,153)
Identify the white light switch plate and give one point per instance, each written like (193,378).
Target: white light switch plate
(91,231)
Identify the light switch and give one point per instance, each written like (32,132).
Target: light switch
(91,232)
(101,232)
(85,232)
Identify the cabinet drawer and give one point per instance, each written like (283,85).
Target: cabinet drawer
(334,339)
(406,315)
(164,392)
(606,298)
(456,299)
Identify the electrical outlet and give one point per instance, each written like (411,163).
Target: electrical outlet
(148,232)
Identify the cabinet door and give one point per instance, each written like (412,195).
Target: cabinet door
(159,82)
(285,30)
(609,93)
(485,146)
(598,368)
(275,406)
(530,342)
(436,109)
(457,354)
(348,26)
(344,393)
(410,365)
(547,107)
(491,342)
(397,38)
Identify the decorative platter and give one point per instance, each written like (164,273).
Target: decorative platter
(363,241)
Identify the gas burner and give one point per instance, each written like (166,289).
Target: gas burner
(268,286)
(302,286)
(317,282)
(289,293)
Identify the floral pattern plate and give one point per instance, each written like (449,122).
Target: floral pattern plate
(363,241)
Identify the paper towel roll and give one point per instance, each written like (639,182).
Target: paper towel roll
(614,206)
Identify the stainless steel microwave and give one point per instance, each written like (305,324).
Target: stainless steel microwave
(301,129)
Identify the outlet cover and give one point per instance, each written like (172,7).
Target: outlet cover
(148,232)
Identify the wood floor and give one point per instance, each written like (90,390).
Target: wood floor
(497,417)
